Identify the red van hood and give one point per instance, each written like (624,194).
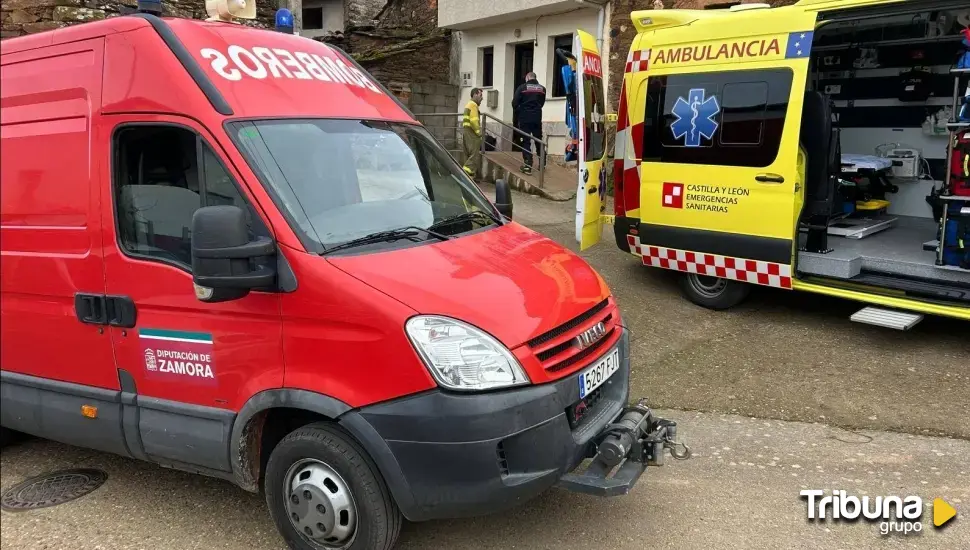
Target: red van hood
(509,281)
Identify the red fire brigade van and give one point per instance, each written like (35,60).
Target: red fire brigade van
(231,251)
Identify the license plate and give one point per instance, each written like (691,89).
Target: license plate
(594,376)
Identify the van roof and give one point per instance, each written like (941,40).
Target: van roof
(244,72)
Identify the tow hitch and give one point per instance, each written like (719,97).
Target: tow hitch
(637,440)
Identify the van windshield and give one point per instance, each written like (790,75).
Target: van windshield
(341,180)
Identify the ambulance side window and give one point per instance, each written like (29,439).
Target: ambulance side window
(728,118)
(162,175)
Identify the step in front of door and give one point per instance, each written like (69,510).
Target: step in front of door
(899,320)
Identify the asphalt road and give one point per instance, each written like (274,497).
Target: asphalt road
(780,395)
(740,490)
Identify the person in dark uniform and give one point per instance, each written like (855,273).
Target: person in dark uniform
(527,105)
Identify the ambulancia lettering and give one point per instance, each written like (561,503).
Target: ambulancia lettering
(261,62)
(592,64)
(726,50)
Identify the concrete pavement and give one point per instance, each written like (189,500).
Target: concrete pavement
(787,395)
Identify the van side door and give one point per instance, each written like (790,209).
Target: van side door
(190,365)
(720,192)
(56,355)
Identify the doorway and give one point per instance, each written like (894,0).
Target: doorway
(523,63)
(521,66)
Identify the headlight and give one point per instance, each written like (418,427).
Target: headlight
(462,357)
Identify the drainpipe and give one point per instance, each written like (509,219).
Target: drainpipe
(600,21)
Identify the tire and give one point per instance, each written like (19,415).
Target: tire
(325,463)
(713,292)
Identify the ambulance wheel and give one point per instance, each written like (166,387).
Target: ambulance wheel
(324,492)
(713,292)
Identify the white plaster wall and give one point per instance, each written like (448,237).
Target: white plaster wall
(502,38)
(462,14)
(333,17)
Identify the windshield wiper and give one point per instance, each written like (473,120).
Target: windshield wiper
(474,215)
(385,236)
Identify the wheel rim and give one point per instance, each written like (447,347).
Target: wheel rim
(709,287)
(319,504)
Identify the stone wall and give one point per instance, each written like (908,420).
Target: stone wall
(403,47)
(361,12)
(19,17)
(440,99)
(417,14)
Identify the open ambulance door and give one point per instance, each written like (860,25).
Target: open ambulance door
(591,124)
(720,188)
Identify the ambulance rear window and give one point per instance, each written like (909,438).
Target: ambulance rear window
(727,118)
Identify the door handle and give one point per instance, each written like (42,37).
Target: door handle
(120,311)
(770,178)
(90,308)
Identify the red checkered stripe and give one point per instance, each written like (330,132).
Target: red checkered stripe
(637,61)
(738,269)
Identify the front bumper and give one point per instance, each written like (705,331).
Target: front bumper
(448,455)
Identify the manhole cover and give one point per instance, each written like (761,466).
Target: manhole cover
(52,489)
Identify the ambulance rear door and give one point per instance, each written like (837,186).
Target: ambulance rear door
(719,190)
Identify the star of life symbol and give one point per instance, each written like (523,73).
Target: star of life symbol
(695,117)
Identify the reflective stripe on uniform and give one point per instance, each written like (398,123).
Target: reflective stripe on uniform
(470,118)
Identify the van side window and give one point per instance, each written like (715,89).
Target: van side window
(595,130)
(727,118)
(162,175)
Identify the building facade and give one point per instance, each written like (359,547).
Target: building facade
(502,41)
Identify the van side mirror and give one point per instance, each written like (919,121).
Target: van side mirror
(223,256)
(503,198)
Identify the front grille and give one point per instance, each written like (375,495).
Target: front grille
(556,349)
(579,357)
(568,326)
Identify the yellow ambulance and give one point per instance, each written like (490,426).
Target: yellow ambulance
(805,147)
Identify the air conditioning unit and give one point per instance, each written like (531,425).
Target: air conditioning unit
(491,99)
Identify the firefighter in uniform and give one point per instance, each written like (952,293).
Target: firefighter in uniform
(527,104)
(472,134)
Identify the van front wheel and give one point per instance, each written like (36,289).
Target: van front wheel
(713,292)
(324,492)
